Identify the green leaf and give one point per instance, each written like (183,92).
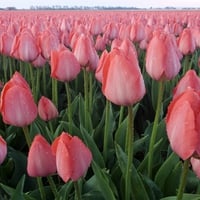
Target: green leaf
(165,169)
(185,197)
(103,182)
(18,193)
(138,189)
(97,156)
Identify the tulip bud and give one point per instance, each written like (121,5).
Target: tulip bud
(46,109)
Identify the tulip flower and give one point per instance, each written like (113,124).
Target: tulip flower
(24,46)
(186,42)
(85,52)
(183,125)
(195,162)
(162,61)
(64,65)
(3,149)
(41,161)
(122,81)
(46,109)
(17,105)
(190,79)
(72,157)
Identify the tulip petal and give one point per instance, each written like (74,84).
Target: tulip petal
(181,130)
(64,162)
(81,157)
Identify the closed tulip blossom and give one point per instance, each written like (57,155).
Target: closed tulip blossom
(3,149)
(162,58)
(190,79)
(25,47)
(122,81)
(46,109)
(72,157)
(41,161)
(186,42)
(85,52)
(183,125)
(17,105)
(64,65)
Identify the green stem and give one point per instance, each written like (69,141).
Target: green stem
(39,180)
(69,106)
(41,188)
(44,81)
(53,186)
(77,191)
(155,127)
(121,114)
(106,130)
(129,151)
(37,88)
(91,81)
(86,96)
(27,135)
(183,180)
(55,92)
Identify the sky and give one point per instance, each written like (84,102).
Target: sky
(126,3)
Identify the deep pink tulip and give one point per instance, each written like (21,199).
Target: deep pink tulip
(190,79)
(41,160)
(183,124)
(162,61)
(72,157)
(3,150)
(46,109)
(64,65)
(17,105)
(122,81)
(24,46)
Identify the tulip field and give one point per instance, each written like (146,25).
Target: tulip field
(100,105)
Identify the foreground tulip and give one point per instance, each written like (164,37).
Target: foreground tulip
(162,59)
(190,79)
(46,109)
(183,124)
(3,150)
(72,157)
(64,65)
(122,81)
(41,161)
(17,105)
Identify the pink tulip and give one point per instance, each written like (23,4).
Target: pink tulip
(3,149)
(85,52)
(17,105)
(46,109)
(41,161)
(64,65)
(195,162)
(183,125)
(190,79)
(72,157)
(24,46)
(162,61)
(122,81)
(186,42)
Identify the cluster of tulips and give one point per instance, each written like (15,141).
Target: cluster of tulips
(105,101)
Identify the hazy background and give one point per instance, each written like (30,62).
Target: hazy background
(122,3)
